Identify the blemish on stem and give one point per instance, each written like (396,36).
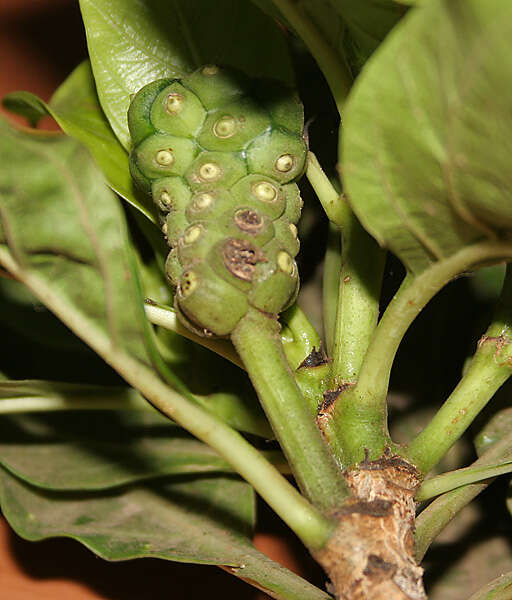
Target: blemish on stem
(315,358)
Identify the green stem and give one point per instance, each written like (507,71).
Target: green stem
(166,317)
(441,511)
(298,336)
(332,66)
(446,482)
(67,400)
(330,284)
(364,406)
(489,369)
(362,266)
(256,337)
(334,204)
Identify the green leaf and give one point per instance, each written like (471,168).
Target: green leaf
(353,28)
(427,136)
(26,105)
(367,25)
(498,589)
(66,233)
(75,107)
(494,431)
(112,448)
(134,42)
(182,519)
(202,520)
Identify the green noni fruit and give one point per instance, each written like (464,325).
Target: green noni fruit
(219,153)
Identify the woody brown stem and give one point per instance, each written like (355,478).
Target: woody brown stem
(371,554)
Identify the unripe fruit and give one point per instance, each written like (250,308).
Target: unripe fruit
(219,153)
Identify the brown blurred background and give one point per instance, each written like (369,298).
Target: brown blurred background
(41,41)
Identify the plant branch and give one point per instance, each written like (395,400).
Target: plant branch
(446,482)
(359,283)
(128,399)
(364,407)
(331,64)
(442,510)
(166,317)
(256,338)
(334,204)
(362,266)
(490,367)
(330,284)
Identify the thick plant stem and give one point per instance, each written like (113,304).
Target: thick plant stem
(441,511)
(489,369)
(256,338)
(363,409)
(370,556)
(331,64)
(330,284)
(362,266)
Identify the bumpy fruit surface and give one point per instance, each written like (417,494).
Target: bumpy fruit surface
(219,154)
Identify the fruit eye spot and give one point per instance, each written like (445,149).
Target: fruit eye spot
(203,201)
(248,220)
(265,191)
(165,198)
(225,127)
(192,234)
(210,70)
(174,103)
(165,158)
(285,163)
(210,172)
(285,262)
(189,283)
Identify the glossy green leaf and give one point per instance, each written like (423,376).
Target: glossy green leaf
(203,520)
(133,42)
(75,107)
(112,448)
(498,589)
(427,136)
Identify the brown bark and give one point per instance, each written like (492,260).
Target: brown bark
(370,555)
